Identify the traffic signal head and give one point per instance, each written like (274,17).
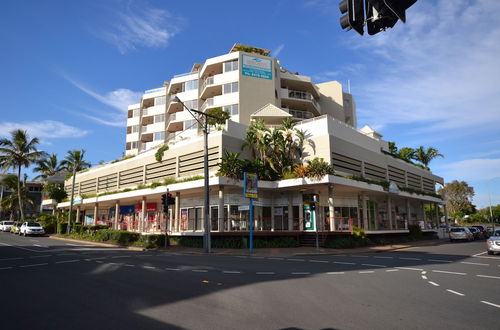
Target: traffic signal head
(164,203)
(170,199)
(354,15)
(383,14)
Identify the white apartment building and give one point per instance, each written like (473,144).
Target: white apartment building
(251,85)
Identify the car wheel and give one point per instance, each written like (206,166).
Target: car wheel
(491,252)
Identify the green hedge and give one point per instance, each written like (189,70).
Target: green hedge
(62,228)
(345,242)
(125,238)
(276,242)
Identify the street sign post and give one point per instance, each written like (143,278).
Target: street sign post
(250,190)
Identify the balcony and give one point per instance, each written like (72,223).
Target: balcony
(208,104)
(210,88)
(175,125)
(174,106)
(299,100)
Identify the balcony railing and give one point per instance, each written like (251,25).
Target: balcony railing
(207,82)
(208,103)
(302,96)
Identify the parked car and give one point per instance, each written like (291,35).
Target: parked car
(476,233)
(31,228)
(493,243)
(5,225)
(460,233)
(483,229)
(14,229)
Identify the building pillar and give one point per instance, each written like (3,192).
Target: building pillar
(143,214)
(290,211)
(54,209)
(301,212)
(423,213)
(272,212)
(96,213)
(220,217)
(117,214)
(177,214)
(445,209)
(364,199)
(437,215)
(389,212)
(77,220)
(331,208)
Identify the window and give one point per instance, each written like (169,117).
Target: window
(159,118)
(230,88)
(144,129)
(232,109)
(190,124)
(160,100)
(134,144)
(159,136)
(192,104)
(136,112)
(231,66)
(135,128)
(190,85)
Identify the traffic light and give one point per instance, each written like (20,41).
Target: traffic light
(313,206)
(164,203)
(383,14)
(170,199)
(354,17)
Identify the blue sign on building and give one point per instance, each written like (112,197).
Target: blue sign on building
(253,66)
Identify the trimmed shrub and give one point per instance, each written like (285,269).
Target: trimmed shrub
(196,242)
(415,231)
(228,243)
(276,242)
(62,227)
(344,242)
(151,241)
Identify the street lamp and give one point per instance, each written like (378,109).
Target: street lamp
(204,124)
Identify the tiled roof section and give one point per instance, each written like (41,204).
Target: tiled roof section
(270,110)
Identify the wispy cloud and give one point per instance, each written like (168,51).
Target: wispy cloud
(49,129)
(277,51)
(137,24)
(118,100)
(478,169)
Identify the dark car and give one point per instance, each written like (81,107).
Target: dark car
(483,229)
(476,232)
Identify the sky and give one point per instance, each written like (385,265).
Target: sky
(68,69)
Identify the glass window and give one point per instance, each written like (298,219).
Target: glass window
(135,128)
(231,66)
(233,109)
(160,100)
(136,112)
(190,124)
(134,145)
(190,85)
(159,136)
(159,118)
(230,88)
(191,104)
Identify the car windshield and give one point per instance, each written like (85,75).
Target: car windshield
(8,222)
(456,230)
(33,224)
(472,229)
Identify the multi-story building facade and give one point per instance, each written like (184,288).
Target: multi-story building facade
(251,85)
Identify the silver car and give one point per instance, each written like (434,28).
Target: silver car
(31,228)
(493,243)
(5,225)
(460,233)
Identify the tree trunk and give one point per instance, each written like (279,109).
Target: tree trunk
(71,201)
(21,211)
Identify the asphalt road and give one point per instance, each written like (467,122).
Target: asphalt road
(53,284)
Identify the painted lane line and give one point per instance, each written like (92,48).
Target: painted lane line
(300,273)
(322,261)
(478,254)
(439,260)
(129,265)
(355,256)
(148,267)
(424,277)
(433,283)
(172,269)
(100,258)
(491,304)
(446,272)
(372,265)
(231,272)
(99,261)
(66,261)
(474,263)
(7,259)
(367,272)
(2,268)
(335,273)
(34,265)
(489,276)
(384,257)
(405,258)
(276,258)
(115,257)
(392,270)
(344,263)
(265,273)
(455,292)
(293,259)
(199,270)
(424,272)
(45,256)
(410,268)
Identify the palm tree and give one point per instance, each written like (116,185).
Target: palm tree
(74,162)
(47,167)
(10,202)
(426,156)
(20,151)
(406,153)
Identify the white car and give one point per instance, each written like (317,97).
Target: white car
(493,243)
(31,228)
(5,225)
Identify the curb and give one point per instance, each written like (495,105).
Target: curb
(133,248)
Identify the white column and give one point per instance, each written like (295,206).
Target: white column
(272,212)
(96,212)
(177,211)
(364,200)
(143,215)
(221,209)
(117,215)
(77,220)
(408,213)
(290,211)
(301,212)
(331,208)
(389,212)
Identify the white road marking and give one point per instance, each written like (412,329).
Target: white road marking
(433,283)
(405,258)
(384,257)
(200,270)
(148,267)
(446,272)
(491,304)
(410,268)
(367,272)
(66,261)
(392,270)
(478,254)
(323,261)
(293,259)
(265,273)
(455,292)
(231,272)
(22,248)
(300,273)
(100,258)
(49,255)
(439,260)
(129,265)
(424,272)
(474,263)
(344,263)
(355,256)
(335,273)
(99,261)
(7,259)
(372,265)
(2,268)
(424,277)
(172,268)
(275,258)
(489,276)
(34,265)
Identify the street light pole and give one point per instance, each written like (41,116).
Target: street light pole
(204,124)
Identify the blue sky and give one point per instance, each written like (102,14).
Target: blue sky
(69,69)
